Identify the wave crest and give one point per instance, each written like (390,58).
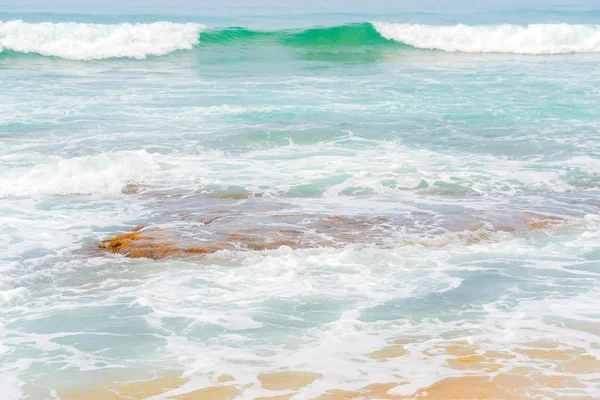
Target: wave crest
(530,39)
(77,41)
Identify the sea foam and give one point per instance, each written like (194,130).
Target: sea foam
(529,39)
(13,296)
(76,41)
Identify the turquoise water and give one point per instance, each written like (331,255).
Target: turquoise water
(467,139)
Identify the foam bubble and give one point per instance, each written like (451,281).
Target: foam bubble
(11,386)
(76,41)
(14,296)
(529,39)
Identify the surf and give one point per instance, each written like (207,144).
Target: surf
(79,41)
(534,39)
(85,42)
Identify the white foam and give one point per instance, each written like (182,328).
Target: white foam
(585,163)
(393,169)
(77,41)
(529,39)
(11,386)
(14,296)
(103,173)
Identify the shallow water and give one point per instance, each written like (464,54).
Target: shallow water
(400,204)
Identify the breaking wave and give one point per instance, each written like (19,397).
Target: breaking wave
(530,39)
(105,173)
(78,41)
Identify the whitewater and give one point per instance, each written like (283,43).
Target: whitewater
(268,200)
(529,39)
(95,41)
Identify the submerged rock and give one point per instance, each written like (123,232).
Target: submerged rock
(154,244)
(130,189)
(210,234)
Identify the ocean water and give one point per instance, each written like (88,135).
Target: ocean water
(422,183)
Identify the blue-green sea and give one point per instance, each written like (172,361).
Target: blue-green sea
(435,168)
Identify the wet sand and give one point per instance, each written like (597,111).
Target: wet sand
(523,372)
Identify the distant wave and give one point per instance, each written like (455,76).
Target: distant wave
(530,39)
(77,41)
